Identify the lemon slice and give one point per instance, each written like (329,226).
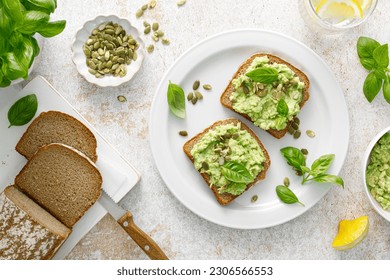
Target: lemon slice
(351,233)
(364,4)
(340,9)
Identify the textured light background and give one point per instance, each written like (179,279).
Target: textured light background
(182,234)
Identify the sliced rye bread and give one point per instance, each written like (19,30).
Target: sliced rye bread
(27,230)
(226,198)
(62,180)
(57,127)
(225,97)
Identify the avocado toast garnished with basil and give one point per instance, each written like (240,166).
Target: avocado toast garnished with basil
(268,91)
(230,158)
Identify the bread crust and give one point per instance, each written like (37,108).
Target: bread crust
(225,97)
(226,198)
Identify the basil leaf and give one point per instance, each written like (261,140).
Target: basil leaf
(35,46)
(236,172)
(4,81)
(6,23)
(282,108)
(294,157)
(366,46)
(234,188)
(14,9)
(328,178)
(380,73)
(386,90)
(321,165)
(12,68)
(32,21)
(368,63)
(381,55)
(49,5)
(176,100)
(287,196)
(52,29)
(371,86)
(263,75)
(23,110)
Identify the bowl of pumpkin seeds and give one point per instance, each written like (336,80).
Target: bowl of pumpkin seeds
(108,51)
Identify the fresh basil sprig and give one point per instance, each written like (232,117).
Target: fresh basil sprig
(287,196)
(375,58)
(316,172)
(176,100)
(23,110)
(263,75)
(236,172)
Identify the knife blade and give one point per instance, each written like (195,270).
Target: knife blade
(125,220)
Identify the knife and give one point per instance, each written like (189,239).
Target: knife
(125,220)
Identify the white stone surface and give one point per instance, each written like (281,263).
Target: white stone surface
(182,234)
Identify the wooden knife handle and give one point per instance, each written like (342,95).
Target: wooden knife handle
(143,240)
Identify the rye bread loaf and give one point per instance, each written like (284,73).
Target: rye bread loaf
(225,198)
(57,127)
(27,231)
(61,180)
(225,97)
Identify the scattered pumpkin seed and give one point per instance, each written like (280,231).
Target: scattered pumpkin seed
(305,151)
(194,100)
(147,30)
(296,120)
(198,95)
(299,173)
(152,4)
(146,24)
(183,133)
(286,182)
(181,3)
(190,96)
(294,126)
(196,84)
(205,165)
(155,26)
(92,71)
(291,130)
(150,48)
(254,198)
(165,41)
(155,38)
(159,33)
(144,7)
(310,133)
(121,98)
(297,134)
(207,87)
(139,13)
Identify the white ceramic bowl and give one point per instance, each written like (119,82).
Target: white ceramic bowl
(366,160)
(79,57)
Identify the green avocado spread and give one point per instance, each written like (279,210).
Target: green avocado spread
(226,143)
(378,172)
(259,101)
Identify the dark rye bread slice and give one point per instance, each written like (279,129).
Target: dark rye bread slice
(61,180)
(225,97)
(226,198)
(27,231)
(57,127)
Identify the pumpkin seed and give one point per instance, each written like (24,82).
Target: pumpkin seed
(95,31)
(254,198)
(139,13)
(194,100)
(297,120)
(121,60)
(198,95)
(196,84)
(102,26)
(97,75)
(165,41)
(291,130)
(135,56)
(87,51)
(297,134)
(294,125)
(310,133)
(150,48)
(205,166)
(181,3)
(109,31)
(286,182)
(235,135)
(299,173)
(221,161)
(147,30)
(159,33)
(121,98)
(144,7)
(305,151)
(155,38)
(183,133)
(146,24)
(207,87)
(132,42)
(155,26)
(152,4)
(92,71)
(190,96)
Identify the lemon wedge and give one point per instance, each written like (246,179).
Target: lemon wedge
(364,4)
(351,233)
(340,9)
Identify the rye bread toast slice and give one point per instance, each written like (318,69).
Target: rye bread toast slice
(226,198)
(225,97)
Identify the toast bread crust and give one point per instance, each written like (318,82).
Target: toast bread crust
(225,97)
(226,198)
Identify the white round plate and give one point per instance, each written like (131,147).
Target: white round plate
(214,61)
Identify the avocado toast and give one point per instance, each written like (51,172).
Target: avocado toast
(259,102)
(227,141)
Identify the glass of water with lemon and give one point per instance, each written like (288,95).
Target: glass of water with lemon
(338,15)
